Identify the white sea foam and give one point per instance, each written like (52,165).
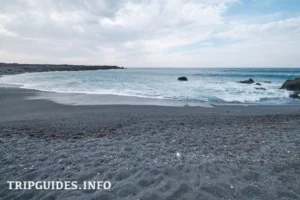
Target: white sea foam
(157,84)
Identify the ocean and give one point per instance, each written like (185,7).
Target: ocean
(203,85)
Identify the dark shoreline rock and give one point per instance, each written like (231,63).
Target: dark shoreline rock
(250,81)
(295,95)
(183,78)
(292,85)
(258,84)
(260,88)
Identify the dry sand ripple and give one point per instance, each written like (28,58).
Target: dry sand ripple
(150,152)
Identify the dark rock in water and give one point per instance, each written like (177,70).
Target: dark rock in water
(292,85)
(267,82)
(260,88)
(250,81)
(183,78)
(257,84)
(295,95)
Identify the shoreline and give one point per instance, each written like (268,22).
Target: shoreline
(27,99)
(86,99)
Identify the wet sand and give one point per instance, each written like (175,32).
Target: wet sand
(149,152)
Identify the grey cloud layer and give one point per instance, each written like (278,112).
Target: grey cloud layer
(132,33)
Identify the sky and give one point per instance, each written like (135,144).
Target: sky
(152,33)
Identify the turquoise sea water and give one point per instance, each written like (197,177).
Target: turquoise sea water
(204,85)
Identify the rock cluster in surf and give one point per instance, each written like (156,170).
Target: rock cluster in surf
(292,85)
(250,81)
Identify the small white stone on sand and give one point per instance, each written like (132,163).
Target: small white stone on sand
(178,155)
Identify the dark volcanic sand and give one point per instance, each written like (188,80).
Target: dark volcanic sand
(226,152)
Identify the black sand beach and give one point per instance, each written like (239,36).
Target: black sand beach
(149,152)
(207,108)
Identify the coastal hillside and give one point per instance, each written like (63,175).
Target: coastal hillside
(16,68)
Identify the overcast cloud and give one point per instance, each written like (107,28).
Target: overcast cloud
(146,33)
